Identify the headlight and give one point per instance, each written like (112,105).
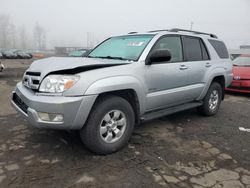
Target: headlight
(58,83)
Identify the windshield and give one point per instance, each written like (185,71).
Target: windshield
(242,61)
(123,47)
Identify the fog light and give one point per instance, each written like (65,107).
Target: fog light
(50,117)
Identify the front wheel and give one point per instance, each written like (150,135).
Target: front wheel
(110,125)
(212,100)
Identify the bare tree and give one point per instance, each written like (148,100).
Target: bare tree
(17,37)
(23,37)
(90,39)
(12,35)
(39,37)
(4,28)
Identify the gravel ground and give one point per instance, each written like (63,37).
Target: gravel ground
(181,150)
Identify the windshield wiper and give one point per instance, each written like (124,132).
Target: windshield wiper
(109,57)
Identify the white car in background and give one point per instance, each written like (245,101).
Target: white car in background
(1,67)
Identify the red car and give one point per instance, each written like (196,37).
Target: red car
(241,72)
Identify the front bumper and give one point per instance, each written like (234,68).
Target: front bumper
(75,110)
(242,86)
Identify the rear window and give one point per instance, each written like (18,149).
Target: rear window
(220,48)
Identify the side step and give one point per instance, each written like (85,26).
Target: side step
(166,111)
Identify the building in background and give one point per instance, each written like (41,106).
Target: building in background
(244,46)
(237,52)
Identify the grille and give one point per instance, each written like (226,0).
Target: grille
(18,101)
(32,80)
(33,73)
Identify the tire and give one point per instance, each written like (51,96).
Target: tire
(212,100)
(113,136)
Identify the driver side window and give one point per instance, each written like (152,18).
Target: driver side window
(172,44)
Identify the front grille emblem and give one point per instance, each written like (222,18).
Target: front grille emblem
(31,82)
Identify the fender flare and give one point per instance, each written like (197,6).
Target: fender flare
(216,72)
(116,83)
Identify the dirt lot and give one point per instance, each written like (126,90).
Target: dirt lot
(181,150)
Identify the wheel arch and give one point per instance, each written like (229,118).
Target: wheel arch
(126,86)
(118,84)
(220,78)
(129,95)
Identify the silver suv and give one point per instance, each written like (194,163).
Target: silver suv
(123,81)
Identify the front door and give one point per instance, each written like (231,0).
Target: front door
(166,81)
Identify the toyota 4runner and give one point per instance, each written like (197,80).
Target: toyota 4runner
(123,81)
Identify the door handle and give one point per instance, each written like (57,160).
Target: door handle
(208,65)
(183,67)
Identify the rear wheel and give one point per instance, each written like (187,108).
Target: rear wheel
(212,100)
(110,125)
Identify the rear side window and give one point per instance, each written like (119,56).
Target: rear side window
(220,48)
(205,55)
(192,48)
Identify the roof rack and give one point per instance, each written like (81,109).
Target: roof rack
(133,32)
(184,30)
(195,32)
(158,30)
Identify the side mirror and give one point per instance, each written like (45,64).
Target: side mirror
(157,56)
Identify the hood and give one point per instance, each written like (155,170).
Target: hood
(242,72)
(71,65)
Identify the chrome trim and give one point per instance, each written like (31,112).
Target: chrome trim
(28,81)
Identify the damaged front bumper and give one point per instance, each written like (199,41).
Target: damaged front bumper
(72,112)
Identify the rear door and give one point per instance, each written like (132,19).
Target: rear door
(198,62)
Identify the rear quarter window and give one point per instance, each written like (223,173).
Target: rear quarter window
(205,54)
(220,48)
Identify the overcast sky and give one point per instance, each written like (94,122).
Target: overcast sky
(68,21)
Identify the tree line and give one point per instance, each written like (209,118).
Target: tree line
(17,37)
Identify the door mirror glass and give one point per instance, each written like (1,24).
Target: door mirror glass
(159,55)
